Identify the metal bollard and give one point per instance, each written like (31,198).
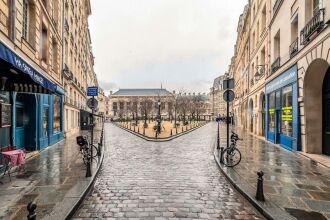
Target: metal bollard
(138,129)
(176,130)
(221,154)
(156,134)
(144,131)
(182,129)
(171,132)
(260,187)
(134,128)
(99,149)
(88,167)
(31,207)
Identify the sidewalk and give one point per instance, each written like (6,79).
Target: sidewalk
(55,181)
(293,184)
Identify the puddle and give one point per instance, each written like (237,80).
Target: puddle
(305,215)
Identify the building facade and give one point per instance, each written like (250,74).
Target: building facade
(78,63)
(129,103)
(281,72)
(218,105)
(46,65)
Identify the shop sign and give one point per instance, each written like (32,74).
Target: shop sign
(282,80)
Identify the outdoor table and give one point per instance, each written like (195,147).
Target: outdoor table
(14,158)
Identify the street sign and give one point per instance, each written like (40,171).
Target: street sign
(92,91)
(92,103)
(229,96)
(228,84)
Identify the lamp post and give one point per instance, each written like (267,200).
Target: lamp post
(158,117)
(175,113)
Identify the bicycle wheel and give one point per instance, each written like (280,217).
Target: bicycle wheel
(231,157)
(95,149)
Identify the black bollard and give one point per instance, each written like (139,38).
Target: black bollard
(176,130)
(31,207)
(171,132)
(156,134)
(88,167)
(182,129)
(138,129)
(144,131)
(186,127)
(260,187)
(99,149)
(221,155)
(134,128)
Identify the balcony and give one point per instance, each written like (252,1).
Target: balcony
(312,28)
(293,49)
(277,6)
(276,65)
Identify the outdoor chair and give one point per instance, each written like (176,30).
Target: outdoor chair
(5,161)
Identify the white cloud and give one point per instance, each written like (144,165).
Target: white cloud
(130,35)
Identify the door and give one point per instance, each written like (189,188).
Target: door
(20,126)
(326,114)
(277,126)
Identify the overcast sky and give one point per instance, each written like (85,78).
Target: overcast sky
(183,44)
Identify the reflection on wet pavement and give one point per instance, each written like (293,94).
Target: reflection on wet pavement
(169,180)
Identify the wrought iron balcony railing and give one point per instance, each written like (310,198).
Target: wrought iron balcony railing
(312,27)
(276,65)
(293,49)
(277,6)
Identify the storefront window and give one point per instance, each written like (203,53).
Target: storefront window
(287,111)
(45,122)
(57,113)
(271,112)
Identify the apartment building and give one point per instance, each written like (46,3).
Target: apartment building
(218,105)
(78,63)
(31,94)
(281,71)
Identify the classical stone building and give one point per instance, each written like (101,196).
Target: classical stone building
(218,105)
(78,63)
(281,71)
(128,102)
(31,94)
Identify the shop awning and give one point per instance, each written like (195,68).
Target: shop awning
(17,62)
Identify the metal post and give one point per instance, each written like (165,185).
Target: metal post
(218,136)
(227,116)
(260,187)
(92,131)
(31,207)
(221,154)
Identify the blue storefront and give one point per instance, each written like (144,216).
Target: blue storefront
(31,105)
(282,114)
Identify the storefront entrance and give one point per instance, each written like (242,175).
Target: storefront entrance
(25,125)
(326,114)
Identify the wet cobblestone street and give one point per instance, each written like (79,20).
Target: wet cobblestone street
(169,180)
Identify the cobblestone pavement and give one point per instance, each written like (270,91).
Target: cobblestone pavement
(170,180)
(291,181)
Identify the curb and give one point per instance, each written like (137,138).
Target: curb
(268,209)
(73,199)
(88,189)
(158,139)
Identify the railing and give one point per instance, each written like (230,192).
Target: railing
(276,65)
(293,49)
(276,6)
(312,27)
(251,82)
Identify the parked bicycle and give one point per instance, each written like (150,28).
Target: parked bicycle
(231,155)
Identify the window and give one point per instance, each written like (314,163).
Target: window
(57,114)
(121,105)
(271,111)
(263,18)
(114,106)
(277,41)
(54,56)
(45,122)
(316,6)
(25,19)
(72,119)
(287,111)
(44,43)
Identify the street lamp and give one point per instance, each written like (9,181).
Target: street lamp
(158,117)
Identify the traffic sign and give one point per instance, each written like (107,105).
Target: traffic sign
(228,84)
(92,91)
(228,95)
(92,103)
